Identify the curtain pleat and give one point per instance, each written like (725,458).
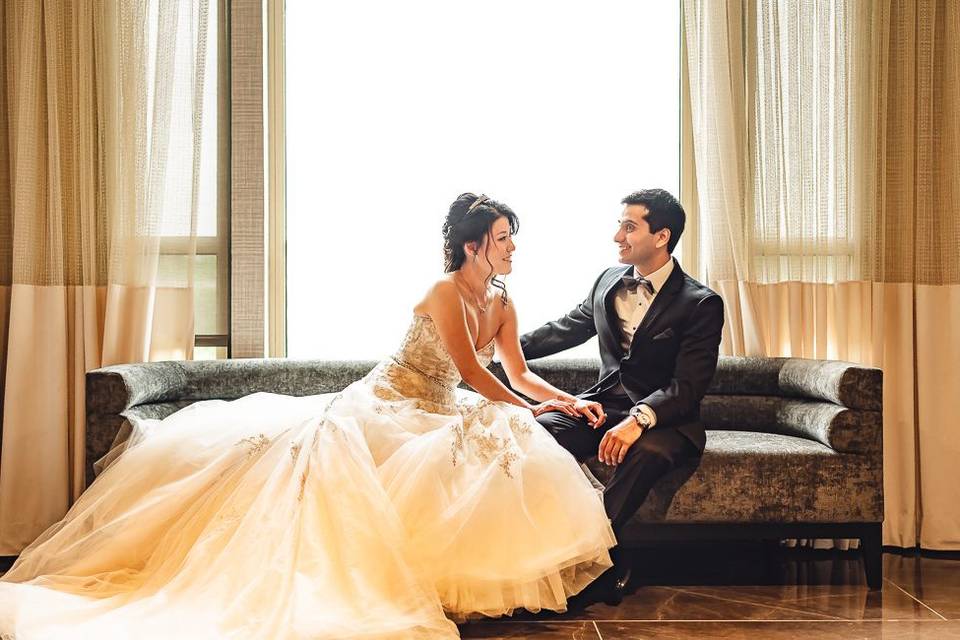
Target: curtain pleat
(101,109)
(825,138)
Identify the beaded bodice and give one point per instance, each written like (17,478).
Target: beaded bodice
(422,368)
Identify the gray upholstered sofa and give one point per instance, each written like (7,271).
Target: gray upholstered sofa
(794,446)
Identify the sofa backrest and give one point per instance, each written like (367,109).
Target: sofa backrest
(836,403)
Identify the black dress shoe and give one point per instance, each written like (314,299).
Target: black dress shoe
(613,595)
(615,585)
(619,587)
(609,588)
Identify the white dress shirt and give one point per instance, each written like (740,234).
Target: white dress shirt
(632,306)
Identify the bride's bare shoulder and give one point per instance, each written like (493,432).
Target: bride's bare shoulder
(441,294)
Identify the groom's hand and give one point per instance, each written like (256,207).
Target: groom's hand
(618,440)
(592,411)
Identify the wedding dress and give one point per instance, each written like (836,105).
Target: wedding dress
(378,512)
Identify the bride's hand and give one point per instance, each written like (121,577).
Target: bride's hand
(592,411)
(562,406)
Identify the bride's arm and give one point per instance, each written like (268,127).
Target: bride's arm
(515,365)
(529,383)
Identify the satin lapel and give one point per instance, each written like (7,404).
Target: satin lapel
(612,321)
(670,288)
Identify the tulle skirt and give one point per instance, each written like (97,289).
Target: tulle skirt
(316,517)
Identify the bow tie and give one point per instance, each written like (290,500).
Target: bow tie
(632,284)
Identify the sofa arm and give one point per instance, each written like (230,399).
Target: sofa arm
(844,383)
(114,389)
(840,428)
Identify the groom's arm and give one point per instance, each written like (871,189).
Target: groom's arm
(571,330)
(695,365)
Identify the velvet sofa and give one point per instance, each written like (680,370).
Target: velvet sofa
(794,446)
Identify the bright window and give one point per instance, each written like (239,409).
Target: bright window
(209,271)
(558,109)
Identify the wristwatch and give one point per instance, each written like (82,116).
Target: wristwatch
(641,417)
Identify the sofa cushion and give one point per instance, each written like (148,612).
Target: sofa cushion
(844,383)
(842,429)
(749,477)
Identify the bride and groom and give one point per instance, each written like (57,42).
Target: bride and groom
(401,502)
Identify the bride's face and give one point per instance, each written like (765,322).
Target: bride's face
(498,247)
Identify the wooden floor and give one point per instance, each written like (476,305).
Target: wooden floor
(761,592)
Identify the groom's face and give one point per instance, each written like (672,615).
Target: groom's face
(637,245)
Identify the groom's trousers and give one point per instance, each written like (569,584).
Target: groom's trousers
(656,452)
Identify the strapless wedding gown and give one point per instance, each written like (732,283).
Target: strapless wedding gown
(379,512)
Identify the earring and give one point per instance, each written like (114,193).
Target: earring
(475,257)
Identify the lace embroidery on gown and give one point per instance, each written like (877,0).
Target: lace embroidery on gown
(381,511)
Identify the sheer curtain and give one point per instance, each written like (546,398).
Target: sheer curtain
(825,142)
(100,107)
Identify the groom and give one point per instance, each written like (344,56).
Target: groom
(659,332)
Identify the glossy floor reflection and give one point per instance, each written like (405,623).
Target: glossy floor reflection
(757,591)
(760,591)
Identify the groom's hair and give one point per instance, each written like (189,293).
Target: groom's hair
(664,212)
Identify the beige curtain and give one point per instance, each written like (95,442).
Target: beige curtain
(100,106)
(825,139)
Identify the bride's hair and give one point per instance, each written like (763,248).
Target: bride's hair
(469,220)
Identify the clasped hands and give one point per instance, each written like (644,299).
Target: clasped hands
(590,410)
(615,442)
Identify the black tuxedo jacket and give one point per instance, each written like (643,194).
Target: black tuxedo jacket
(672,358)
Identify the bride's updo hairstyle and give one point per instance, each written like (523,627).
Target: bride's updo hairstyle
(470,219)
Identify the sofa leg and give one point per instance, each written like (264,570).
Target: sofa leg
(872,544)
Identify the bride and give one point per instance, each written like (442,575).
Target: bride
(381,511)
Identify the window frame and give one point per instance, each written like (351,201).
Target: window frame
(218,245)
